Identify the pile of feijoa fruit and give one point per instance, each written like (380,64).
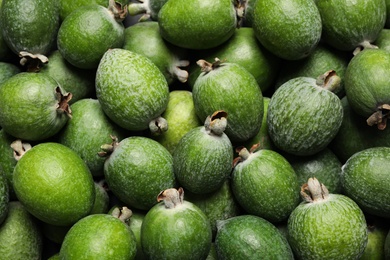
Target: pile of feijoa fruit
(194,129)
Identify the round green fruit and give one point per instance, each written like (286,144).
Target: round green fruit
(68,6)
(54,184)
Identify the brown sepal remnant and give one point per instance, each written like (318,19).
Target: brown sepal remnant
(171,197)
(107,149)
(243,153)
(379,117)
(313,191)
(20,148)
(63,102)
(33,62)
(118,10)
(206,66)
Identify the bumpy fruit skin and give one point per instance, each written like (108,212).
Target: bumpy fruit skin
(331,229)
(7,70)
(20,236)
(250,237)
(365,179)
(54,184)
(348,23)
(265,185)
(300,108)
(230,88)
(198,24)
(290,29)
(30,26)
(29,107)
(7,159)
(131,89)
(137,170)
(182,232)
(99,236)
(68,6)
(89,25)
(4,197)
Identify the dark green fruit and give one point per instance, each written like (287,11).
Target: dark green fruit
(87,239)
(7,158)
(383,40)
(68,6)
(175,229)
(202,160)
(137,169)
(265,184)
(102,200)
(4,197)
(54,184)
(377,230)
(81,83)
(7,70)
(290,29)
(326,226)
(135,224)
(145,38)
(20,236)
(250,237)
(198,24)
(33,106)
(231,88)
(301,107)
(366,180)
(387,246)
(348,24)
(125,77)
(91,25)
(87,130)
(366,85)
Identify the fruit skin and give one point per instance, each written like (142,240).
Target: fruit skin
(231,88)
(7,70)
(182,232)
(7,160)
(20,236)
(331,229)
(347,24)
(365,179)
(137,170)
(125,77)
(88,240)
(29,26)
(66,189)
(300,108)
(289,29)
(250,237)
(89,25)
(377,230)
(68,6)
(4,197)
(29,106)
(198,24)
(266,185)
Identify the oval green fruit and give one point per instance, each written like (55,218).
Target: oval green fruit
(250,237)
(68,6)
(54,184)
(377,230)
(290,29)
(365,179)
(131,89)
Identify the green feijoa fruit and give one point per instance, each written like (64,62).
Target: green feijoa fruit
(68,6)
(30,28)
(53,233)
(377,230)
(218,205)
(87,239)
(265,184)
(7,70)
(387,246)
(137,169)
(181,117)
(383,40)
(145,38)
(135,224)
(326,226)
(198,24)
(290,29)
(303,106)
(248,12)
(366,180)
(91,25)
(148,9)
(349,24)
(101,202)
(54,184)
(355,135)
(6,53)
(231,88)
(250,237)
(366,85)
(131,89)
(244,49)
(20,236)
(203,158)
(387,23)
(87,130)
(33,106)
(4,197)
(323,58)
(81,83)
(175,229)
(324,166)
